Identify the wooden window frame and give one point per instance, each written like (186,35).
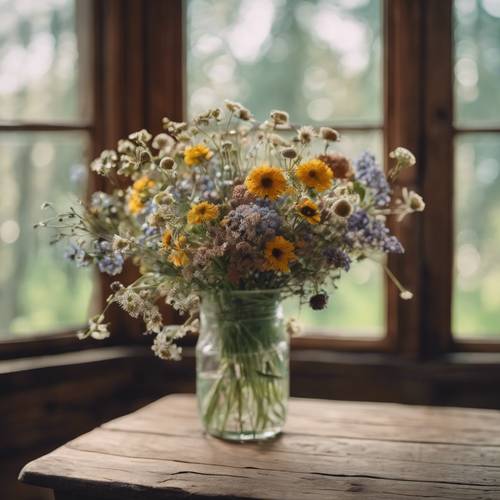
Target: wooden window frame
(139,77)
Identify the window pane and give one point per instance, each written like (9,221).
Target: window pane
(39,290)
(320,60)
(476,294)
(44,70)
(477,61)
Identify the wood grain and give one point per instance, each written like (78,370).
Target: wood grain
(329,450)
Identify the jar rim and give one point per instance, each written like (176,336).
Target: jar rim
(243,292)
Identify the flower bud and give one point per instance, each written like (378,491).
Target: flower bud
(167,163)
(329,134)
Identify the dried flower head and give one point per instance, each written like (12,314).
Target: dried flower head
(329,134)
(289,153)
(306,134)
(342,208)
(162,141)
(279,117)
(167,163)
(319,301)
(140,136)
(339,164)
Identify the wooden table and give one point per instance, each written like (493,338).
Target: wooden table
(330,450)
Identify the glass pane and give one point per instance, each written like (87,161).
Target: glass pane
(39,290)
(318,59)
(477,61)
(476,292)
(361,289)
(44,70)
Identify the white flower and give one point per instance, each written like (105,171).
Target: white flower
(164,348)
(293,327)
(403,156)
(232,106)
(97,329)
(410,202)
(277,140)
(120,244)
(130,302)
(105,163)
(404,159)
(153,319)
(305,134)
(162,141)
(141,135)
(406,295)
(125,146)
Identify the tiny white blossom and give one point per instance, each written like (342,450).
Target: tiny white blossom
(141,135)
(162,141)
(120,244)
(404,156)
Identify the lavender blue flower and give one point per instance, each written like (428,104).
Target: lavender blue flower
(338,258)
(369,173)
(366,232)
(77,254)
(254,220)
(109,262)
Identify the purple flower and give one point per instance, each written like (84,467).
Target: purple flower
(109,262)
(77,254)
(369,173)
(338,258)
(364,231)
(254,220)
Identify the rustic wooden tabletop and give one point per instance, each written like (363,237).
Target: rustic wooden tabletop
(330,450)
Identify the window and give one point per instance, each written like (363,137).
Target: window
(45,116)
(476,291)
(352,64)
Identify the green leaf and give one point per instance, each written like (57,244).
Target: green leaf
(359,189)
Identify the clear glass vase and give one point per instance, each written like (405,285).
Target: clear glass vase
(242,358)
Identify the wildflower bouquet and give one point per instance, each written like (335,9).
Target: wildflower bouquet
(241,215)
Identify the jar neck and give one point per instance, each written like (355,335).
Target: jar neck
(241,305)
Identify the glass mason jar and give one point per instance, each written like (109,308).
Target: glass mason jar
(242,357)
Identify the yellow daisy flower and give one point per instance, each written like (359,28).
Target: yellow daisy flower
(315,174)
(279,253)
(202,212)
(309,211)
(266,181)
(179,257)
(166,238)
(143,183)
(135,204)
(194,155)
